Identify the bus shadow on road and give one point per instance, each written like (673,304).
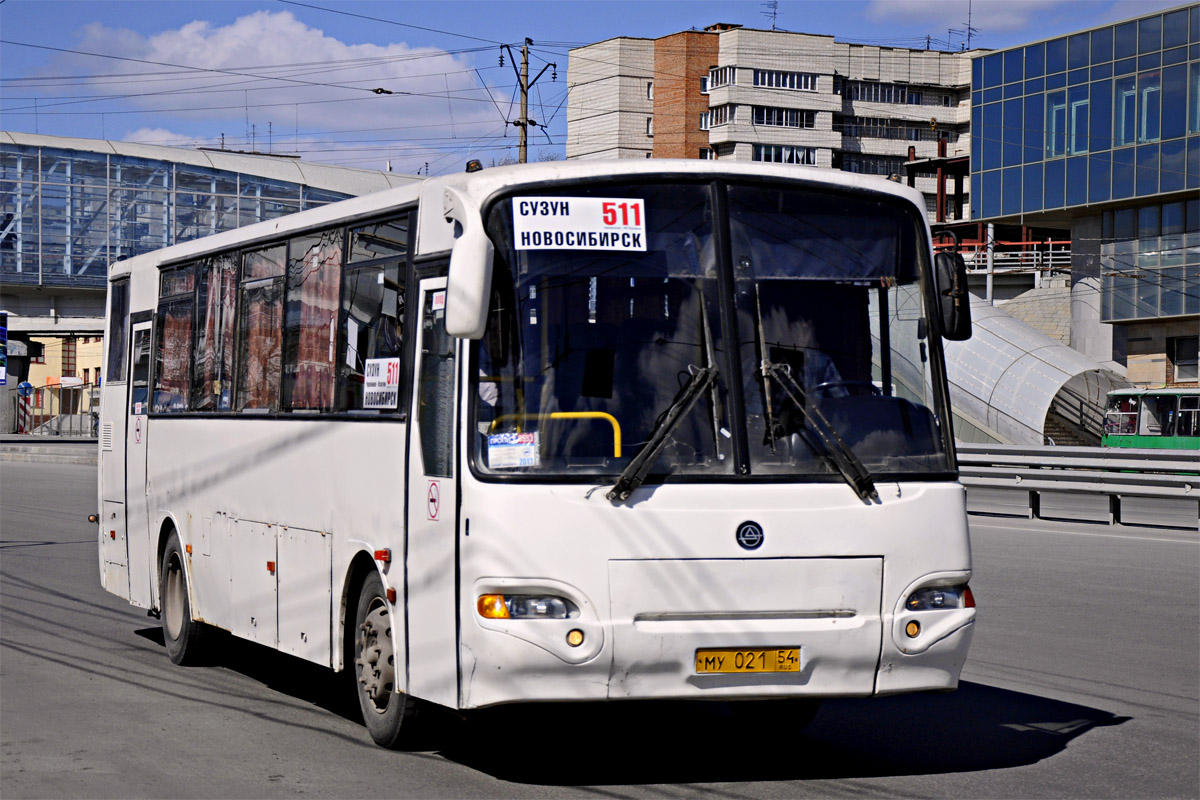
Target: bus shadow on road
(978,727)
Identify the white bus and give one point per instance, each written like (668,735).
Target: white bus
(559,432)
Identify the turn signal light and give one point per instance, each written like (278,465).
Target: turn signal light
(912,629)
(491,606)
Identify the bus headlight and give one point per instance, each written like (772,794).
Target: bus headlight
(525,606)
(937,597)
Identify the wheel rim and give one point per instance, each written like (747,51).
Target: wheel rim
(374,660)
(173,597)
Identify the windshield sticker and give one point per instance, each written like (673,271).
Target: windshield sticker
(381,383)
(579,223)
(513,450)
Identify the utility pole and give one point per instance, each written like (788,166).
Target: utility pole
(525,123)
(523,152)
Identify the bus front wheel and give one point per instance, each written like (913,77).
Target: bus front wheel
(389,714)
(182,635)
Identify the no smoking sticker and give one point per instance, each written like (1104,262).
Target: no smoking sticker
(433,501)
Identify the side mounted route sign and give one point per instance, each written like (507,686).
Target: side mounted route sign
(579,223)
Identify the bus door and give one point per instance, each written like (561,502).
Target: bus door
(137,513)
(431,568)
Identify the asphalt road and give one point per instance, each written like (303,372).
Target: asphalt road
(1084,681)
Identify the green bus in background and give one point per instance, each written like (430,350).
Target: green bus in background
(1165,419)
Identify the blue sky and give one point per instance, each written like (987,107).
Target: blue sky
(298,76)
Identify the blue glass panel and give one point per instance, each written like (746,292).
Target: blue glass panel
(1100,129)
(1125,67)
(1194,50)
(1012,191)
(1034,110)
(1099,175)
(1077,173)
(1077,119)
(1175,31)
(976,181)
(1031,188)
(1014,69)
(1013,132)
(992,66)
(1176,56)
(1014,90)
(1149,34)
(992,95)
(1102,71)
(1172,166)
(1149,62)
(1148,222)
(991,194)
(1147,170)
(1149,86)
(1173,290)
(977,73)
(1193,125)
(1078,50)
(1056,81)
(1174,101)
(1102,45)
(1125,224)
(1193,162)
(1125,41)
(1125,121)
(1056,183)
(977,138)
(993,130)
(976,98)
(1035,61)
(1056,56)
(1056,124)
(1172,218)
(1035,85)
(1077,77)
(1122,174)
(1194,27)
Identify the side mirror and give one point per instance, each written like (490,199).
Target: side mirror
(470,282)
(954,301)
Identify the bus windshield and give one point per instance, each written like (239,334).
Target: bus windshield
(739,329)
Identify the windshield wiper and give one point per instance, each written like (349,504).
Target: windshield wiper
(631,478)
(827,440)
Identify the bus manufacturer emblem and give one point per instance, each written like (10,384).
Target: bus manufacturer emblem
(750,535)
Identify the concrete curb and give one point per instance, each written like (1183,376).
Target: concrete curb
(49,458)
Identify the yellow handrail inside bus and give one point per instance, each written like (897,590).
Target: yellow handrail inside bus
(616,426)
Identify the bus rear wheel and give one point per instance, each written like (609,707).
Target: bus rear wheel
(183,636)
(390,715)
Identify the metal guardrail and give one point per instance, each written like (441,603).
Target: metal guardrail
(69,411)
(1094,484)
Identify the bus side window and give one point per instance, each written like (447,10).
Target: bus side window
(310,320)
(140,378)
(216,300)
(1189,416)
(118,330)
(260,351)
(172,373)
(435,414)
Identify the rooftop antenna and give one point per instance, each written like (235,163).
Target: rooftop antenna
(772,11)
(970,30)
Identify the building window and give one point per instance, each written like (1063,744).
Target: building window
(880,128)
(946,100)
(722,115)
(779,79)
(87,375)
(707,154)
(68,358)
(1183,350)
(871,92)
(872,165)
(914,98)
(783,117)
(650,127)
(1056,124)
(704,84)
(704,117)
(649,90)
(722,76)
(785,154)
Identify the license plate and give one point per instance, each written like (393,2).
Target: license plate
(783,659)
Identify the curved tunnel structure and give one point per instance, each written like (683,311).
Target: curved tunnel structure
(1005,379)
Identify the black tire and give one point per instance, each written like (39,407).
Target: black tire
(389,714)
(183,636)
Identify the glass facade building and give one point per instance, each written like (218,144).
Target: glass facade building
(65,214)
(1099,132)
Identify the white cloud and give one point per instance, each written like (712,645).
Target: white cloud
(162,136)
(302,89)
